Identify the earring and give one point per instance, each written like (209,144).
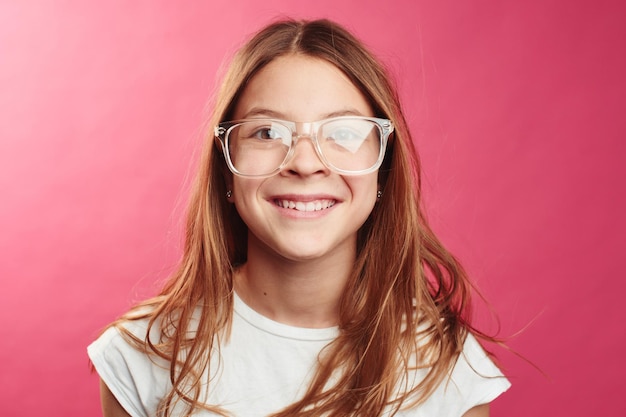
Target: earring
(229,194)
(379,194)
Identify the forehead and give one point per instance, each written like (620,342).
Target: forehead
(300,88)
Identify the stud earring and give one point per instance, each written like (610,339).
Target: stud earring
(379,194)
(229,194)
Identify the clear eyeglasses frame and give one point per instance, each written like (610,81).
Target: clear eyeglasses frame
(347,145)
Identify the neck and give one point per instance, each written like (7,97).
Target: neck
(302,293)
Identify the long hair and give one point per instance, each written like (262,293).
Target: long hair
(405,305)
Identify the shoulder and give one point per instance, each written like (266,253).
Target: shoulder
(476,375)
(123,339)
(472,381)
(136,379)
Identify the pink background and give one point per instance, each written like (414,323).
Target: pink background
(517,107)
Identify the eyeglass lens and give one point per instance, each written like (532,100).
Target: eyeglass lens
(260,147)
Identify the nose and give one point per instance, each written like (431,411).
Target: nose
(304,160)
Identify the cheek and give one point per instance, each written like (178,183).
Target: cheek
(244,194)
(244,188)
(364,190)
(364,186)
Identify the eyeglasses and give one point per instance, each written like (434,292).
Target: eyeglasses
(348,145)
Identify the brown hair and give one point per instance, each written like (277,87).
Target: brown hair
(408,296)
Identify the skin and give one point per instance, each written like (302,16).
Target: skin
(298,262)
(110,406)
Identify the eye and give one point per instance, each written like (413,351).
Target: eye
(266,133)
(344,135)
(348,137)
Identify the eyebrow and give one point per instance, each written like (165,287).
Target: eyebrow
(257,112)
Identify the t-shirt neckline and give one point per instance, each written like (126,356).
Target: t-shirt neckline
(280,329)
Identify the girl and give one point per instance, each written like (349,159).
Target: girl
(311,283)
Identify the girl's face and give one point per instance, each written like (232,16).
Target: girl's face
(306,211)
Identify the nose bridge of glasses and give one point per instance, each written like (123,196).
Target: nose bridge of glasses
(303,130)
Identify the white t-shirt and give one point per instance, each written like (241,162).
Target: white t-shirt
(266,366)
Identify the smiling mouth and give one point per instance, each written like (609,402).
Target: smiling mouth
(316,205)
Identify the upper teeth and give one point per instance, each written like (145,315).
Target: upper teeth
(308,206)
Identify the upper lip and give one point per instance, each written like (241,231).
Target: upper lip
(304,198)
